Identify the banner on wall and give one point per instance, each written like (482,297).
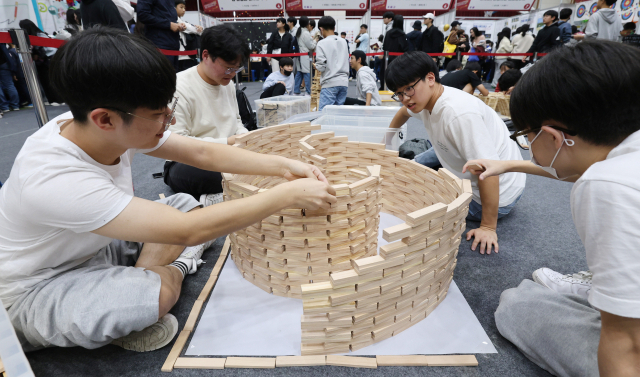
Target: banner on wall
(327,4)
(410,4)
(243,5)
(522,5)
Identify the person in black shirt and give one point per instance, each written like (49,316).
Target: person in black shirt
(466,80)
(629,35)
(415,37)
(280,42)
(549,36)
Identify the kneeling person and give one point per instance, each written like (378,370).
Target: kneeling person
(366,85)
(281,82)
(466,79)
(66,279)
(208,109)
(459,125)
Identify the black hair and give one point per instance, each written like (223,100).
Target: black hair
(178,2)
(524,29)
(110,68)
(565,13)
(453,65)
(223,42)
(476,32)
(509,79)
(518,30)
(509,64)
(71,19)
(398,22)
(409,67)
(263,42)
(343,33)
(327,23)
(365,26)
(292,20)
(304,22)
(602,110)
(609,2)
(629,26)
(574,28)
(553,13)
(285,61)
(473,66)
(506,32)
(29,27)
(283,21)
(312,23)
(388,14)
(335,33)
(380,38)
(357,54)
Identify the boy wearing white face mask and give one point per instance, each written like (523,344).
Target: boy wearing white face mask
(281,82)
(587,324)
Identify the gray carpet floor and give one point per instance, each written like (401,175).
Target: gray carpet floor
(539,232)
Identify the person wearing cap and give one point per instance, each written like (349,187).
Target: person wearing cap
(415,37)
(432,38)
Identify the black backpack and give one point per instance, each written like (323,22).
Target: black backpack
(246,112)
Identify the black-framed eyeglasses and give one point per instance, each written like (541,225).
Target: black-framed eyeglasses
(409,91)
(168,118)
(515,135)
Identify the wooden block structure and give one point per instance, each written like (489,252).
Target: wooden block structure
(498,102)
(270,112)
(315,91)
(352,295)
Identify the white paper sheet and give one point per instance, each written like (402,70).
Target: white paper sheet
(241,319)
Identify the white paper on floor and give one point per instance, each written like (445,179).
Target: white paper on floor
(242,319)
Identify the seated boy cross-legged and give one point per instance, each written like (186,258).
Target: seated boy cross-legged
(587,133)
(459,126)
(82,261)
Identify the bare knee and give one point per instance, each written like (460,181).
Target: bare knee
(171,284)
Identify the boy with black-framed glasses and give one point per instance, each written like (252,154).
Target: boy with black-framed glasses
(459,125)
(82,261)
(585,324)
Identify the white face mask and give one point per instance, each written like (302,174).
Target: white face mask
(549,168)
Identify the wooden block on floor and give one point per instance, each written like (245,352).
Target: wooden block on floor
(251,362)
(300,361)
(175,351)
(402,361)
(352,361)
(452,361)
(208,287)
(193,316)
(200,362)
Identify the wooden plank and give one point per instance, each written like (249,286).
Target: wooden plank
(402,361)
(161,196)
(452,361)
(352,361)
(429,213)
(208,287)
(200,362)
(300,361)
(193,316)
(175,351)
(251,362)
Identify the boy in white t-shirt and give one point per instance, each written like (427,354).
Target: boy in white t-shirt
(459,126)
(587,324)
(66,279)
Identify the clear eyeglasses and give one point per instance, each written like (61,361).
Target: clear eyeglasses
(409,91)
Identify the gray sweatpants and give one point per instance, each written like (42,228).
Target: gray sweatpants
(558,332)
(101,300)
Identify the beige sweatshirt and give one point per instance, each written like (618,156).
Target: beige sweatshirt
(206,112)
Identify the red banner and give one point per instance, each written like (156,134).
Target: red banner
(379,5)
(294,5)
(210,6)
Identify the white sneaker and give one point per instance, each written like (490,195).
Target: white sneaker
(211,199)
(579,284)
(152,338)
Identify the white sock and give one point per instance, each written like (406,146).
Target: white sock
(185,265)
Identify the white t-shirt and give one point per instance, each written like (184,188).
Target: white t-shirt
(55,196)
(605,204)
(462,128)
(206,112)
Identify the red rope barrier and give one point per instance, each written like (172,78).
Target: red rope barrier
(279,55)
(177,53)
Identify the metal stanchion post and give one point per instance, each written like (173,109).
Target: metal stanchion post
(535,57)
(458,56)
(386,59)
(237,82)
(20,39)
(311,73)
